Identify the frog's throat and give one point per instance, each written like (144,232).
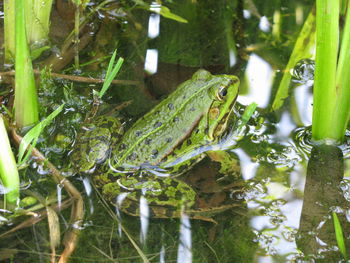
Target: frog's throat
(221,125)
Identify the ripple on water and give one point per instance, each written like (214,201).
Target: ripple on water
(302,138)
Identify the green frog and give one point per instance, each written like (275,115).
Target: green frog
(164,143)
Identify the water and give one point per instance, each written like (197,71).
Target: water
(285,188)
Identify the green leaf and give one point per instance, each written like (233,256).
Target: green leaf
(32,136)
(248,112)
(8,169)
(164,11)
(339,235)
(111,73)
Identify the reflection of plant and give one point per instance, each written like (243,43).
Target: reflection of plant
(332,81)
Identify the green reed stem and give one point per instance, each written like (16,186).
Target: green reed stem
(38,20)
(327,40)
(9,28)
(341,111)
(26,102)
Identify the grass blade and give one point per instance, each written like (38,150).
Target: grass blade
(32,136)
(111,73)
(339,235)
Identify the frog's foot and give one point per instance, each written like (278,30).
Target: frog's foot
(165,197)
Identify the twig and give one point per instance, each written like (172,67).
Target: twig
(78,205)
(78,78)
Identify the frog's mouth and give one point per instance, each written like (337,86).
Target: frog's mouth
(222,125)
(219,124)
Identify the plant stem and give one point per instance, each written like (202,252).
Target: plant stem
(327,40)
(342,105)
(9,27)
(26,102)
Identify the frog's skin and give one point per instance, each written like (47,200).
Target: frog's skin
(93,144)
(171,137)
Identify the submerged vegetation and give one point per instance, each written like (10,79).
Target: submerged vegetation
(211,173)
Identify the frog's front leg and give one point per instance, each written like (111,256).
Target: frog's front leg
(229,163)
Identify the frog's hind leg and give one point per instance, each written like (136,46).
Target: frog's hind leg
(165,197)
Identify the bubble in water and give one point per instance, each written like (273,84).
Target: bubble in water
(303,72)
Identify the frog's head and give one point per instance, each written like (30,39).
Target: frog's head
(224,95)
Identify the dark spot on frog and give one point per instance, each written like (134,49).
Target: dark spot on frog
(131,209)
(168,140)
(171,106)
(112,177)
(162,197)
(192,161)
(148,141)
(154,153)
(169,213)
(132,157)
(152,213)
(158,124)
(184,97)
(206,130)
(189,142)
(176,119)
(192,108)
(178,195)
(122,147)
(197,131)
(174,184)
(121,169)
(182,168)
(110,124)
(138,133)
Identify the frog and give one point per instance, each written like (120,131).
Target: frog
(146,161)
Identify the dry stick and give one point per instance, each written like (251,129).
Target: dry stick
(77,78)
(78,206)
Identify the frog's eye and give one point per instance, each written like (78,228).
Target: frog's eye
(221,93)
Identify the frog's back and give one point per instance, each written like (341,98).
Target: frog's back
(162,129)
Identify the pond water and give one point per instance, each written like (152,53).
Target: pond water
(274,193)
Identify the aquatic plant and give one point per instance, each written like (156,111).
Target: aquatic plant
(332,82)
(26,101)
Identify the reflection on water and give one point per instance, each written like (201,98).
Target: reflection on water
(184,253)
(144,219)
(259,74)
